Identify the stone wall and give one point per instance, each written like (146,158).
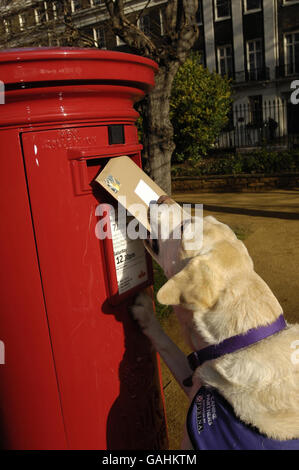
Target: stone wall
(231,183)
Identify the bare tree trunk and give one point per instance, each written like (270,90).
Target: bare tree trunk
(157,128)
(180,34)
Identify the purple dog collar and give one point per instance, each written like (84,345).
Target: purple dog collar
(235,343)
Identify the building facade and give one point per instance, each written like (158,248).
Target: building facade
(254,42)
(30,23)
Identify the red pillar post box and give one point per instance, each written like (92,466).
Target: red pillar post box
(78,373)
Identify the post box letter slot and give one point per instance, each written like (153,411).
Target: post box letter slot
(86,163)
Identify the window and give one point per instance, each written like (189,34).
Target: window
(57,9)
(225,60)
(119,41)
(38,13)
(100,37)
(7,25)
(290,2)
(53,40)
(76,5)
(199,13)
(54,10)
(256,110)
(255,59)
(161,22)
(222,9)
(252,5)
(145,24)
(292,53)
(22,21)
(202,57)
(94,3)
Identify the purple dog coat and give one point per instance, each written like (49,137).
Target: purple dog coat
(213,425)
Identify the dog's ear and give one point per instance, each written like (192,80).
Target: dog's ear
(198,284)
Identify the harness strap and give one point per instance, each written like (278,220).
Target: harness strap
(235,343)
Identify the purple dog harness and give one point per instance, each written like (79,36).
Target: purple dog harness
(213,425)
(211,422)
(235,343)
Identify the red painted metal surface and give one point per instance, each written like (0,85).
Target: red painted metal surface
(50,64)
(79,373)
(30,411)
(67,85)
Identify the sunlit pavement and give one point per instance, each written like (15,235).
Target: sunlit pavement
(269,203)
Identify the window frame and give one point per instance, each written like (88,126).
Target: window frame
(38,13)
(202,57)
(93,4)
(119,41)
(247,55)
(7,25)
(75,10)
(143,27)
(22,21)
(95,36)
(255,10)
(287,3)
(200,23)
(56,10)
(225,46)
(256,111)
(286,64)
(161,22)
(222,18)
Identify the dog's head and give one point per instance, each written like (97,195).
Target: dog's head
(200,262)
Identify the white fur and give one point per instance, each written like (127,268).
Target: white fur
(217,294)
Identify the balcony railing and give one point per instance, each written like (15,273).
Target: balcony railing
(253,75)
(287,70)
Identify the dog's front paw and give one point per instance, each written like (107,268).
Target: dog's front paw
(143,311)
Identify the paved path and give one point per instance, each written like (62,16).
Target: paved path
(276,204)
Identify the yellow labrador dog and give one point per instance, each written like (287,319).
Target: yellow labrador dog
(244,391)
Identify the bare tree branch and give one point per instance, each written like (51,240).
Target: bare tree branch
(169,51)
(127,31)
(143,10)
(110,7)
(170,18)
(180,34)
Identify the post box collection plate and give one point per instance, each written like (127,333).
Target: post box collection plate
(129,266)
(129,258)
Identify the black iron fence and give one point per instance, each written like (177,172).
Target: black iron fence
(252,75)
(271,122)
